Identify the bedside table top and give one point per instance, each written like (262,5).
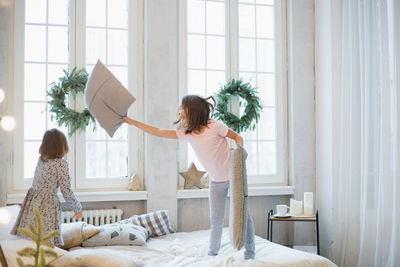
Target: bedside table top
(294,218)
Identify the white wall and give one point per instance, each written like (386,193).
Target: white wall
(161,87)
(5,85)
(194,214)
(301,108)
(327,72)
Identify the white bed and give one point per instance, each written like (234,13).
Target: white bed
(189,249)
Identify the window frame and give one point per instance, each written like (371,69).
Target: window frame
(77,144)
(232,70)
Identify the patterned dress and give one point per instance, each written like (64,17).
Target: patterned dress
(43,195)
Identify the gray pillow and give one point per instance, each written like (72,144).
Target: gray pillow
(157,222)
(118,234)
(106,98)
(238,199)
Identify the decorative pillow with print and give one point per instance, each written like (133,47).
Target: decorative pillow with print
(118,234)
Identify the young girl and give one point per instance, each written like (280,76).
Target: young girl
(51,172)
(208,139)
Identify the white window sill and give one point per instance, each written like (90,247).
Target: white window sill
(91,196)
(142,195)
(253,191)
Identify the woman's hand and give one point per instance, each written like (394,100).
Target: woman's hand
(78,215)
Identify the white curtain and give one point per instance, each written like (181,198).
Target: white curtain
(367,192)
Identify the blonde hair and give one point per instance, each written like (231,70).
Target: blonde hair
(54,145)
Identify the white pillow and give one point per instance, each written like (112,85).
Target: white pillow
(238,200)
(75,233)
(118,234)
(8,216)
(106,98)
(11,247)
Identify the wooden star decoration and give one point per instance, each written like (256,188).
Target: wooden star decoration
(192,177)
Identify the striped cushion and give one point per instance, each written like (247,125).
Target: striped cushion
(157,223)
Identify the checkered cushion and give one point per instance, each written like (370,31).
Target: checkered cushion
(157,223)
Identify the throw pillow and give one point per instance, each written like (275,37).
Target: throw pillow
(118,234)
(75,233)
(238,201)
(11,247)
(157,223)
(107,99)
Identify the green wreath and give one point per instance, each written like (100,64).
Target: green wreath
(72,83)
(251,111)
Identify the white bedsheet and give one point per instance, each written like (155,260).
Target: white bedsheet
(189,249)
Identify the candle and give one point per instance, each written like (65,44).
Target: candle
(308,203)
(296,207)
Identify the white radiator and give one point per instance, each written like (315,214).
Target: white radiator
(95,217)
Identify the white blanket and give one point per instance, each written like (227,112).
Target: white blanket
(189,249)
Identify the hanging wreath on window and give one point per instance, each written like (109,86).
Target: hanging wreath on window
(71,83)
(252,105)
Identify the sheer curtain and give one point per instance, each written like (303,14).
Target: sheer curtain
(367,192)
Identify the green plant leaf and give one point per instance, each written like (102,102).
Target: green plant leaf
(32,229)
(42,261)
(28,233)
(50,235)
(39,222)
(50,253)
(38,253)
(47,243)
(20,262)
(27,252)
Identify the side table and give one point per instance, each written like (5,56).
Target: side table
(272,218)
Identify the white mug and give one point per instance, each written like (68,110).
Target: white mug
(281,210)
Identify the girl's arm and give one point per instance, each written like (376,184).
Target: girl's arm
(233,135)
(151,129)
(238,139)
(64,182)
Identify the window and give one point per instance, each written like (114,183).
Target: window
(205,50)
(107,40)
(239,39)
(51,36)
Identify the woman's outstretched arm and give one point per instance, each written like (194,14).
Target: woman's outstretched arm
(151,129)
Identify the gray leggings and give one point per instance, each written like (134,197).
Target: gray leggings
(217,201)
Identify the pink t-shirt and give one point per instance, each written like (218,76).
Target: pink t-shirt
(211,148)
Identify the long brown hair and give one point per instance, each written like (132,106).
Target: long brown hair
(54,145)
(198,111)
